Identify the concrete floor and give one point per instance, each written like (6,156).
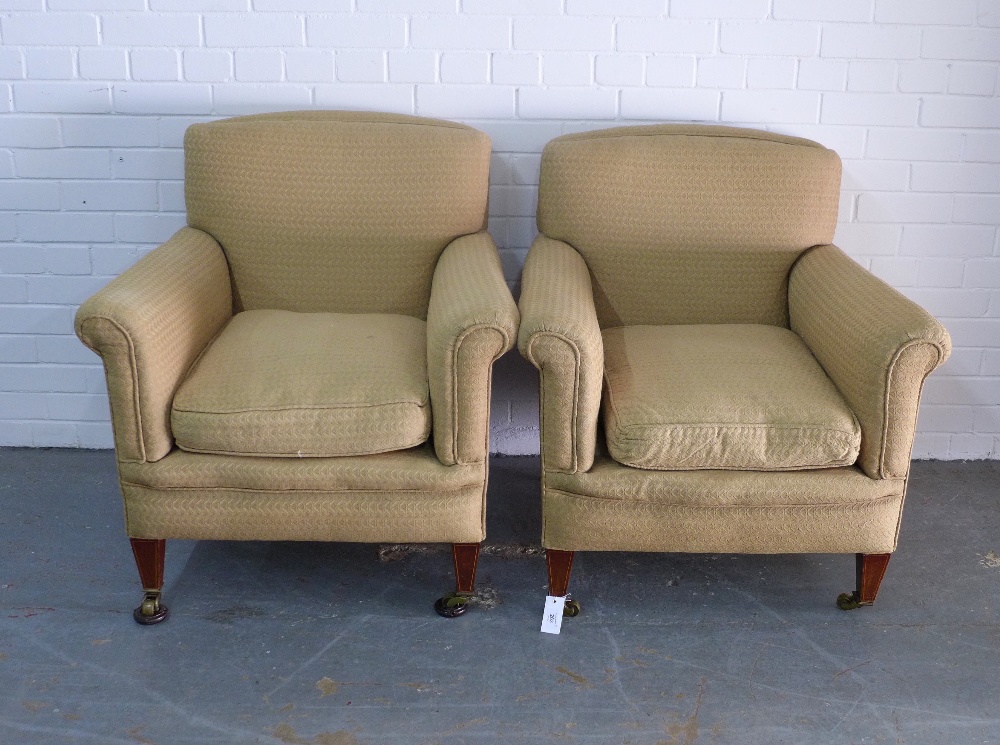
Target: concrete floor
(338,644)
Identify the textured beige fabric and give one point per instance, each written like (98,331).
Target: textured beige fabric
(745,397)
(471,320)
(684,225)
(687,225)
(149,325)
(560,336)
(615,508)
(404,496)
(336,220)
(876,345)
(278,383)
(335,211)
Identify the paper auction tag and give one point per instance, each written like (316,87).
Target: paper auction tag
(552,619)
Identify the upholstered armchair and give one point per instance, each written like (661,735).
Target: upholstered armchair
(309,359)
(715,375)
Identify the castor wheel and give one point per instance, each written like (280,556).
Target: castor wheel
(151,610)
(451,606)
(571,609)
(849,601)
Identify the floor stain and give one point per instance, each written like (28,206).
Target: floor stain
(485,597)
(35,706)
(390,552)
(30,612)
(340,737)
(99,642)
(235,613)
(418,687)
(575,677)
(326,687)
(512,550)
(465,725)
(287,707)
(135,734)
(630,661)
(686,732)
(991,560)
(852,669)
(287,734)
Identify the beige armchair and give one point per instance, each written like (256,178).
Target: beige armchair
(310,358)
(715,376)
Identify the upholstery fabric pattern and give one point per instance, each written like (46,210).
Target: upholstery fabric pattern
(472,319)
(149,325)
(279,383)
(560,336)
(403,496)
(336,221)
(745,397)
(688,225)
(335,211)
(875,344)
(615,508)
(673,226)
(413,470)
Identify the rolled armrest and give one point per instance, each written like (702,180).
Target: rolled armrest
(876,345)
(560,336)
(149,325)
(471,320)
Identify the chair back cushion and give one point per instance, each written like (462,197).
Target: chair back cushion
(687,224)
(327,211)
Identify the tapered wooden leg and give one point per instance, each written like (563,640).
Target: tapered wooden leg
(149,558)
(560,564)
(466,558)
(870,569)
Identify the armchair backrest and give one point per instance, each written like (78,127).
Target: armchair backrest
(688,224)
(335,211)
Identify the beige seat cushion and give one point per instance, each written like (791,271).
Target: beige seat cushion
(279,383)
(742,397)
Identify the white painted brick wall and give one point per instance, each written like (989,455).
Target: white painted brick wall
(95,96)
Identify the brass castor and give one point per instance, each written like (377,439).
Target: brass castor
(151,610)
(571,609)
(849,601)
(452,606)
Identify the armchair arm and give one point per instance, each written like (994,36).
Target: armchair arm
(877,346)
(471,321)
(149,325)
(560,336)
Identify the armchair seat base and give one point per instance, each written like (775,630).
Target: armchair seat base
(400,497)
(616,508)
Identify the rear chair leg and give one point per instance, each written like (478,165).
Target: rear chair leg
(870,571)
(149,555)
(466,558)
(560,565)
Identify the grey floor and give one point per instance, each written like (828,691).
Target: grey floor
(338,644)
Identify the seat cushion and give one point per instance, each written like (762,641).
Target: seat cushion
(279,383)
(743,397)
